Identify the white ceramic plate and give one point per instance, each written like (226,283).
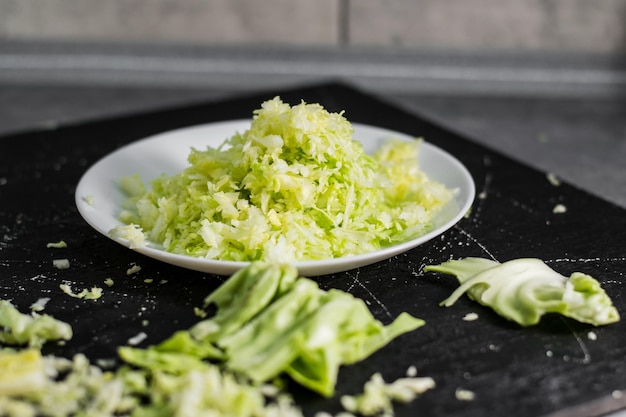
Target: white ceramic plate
(99,200)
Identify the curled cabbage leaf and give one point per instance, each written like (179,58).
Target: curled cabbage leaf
(523,290)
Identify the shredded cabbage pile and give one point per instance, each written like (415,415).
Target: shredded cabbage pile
(295,186)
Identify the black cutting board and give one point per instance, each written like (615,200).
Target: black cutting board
(554,367)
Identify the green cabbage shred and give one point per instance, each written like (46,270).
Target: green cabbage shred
(33,329)
(295,186)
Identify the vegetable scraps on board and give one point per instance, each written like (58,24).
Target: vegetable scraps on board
(268,323)
(295,186)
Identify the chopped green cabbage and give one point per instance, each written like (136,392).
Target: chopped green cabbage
(295,186)
(523,290)
(378,396)
(21,372)
(68,388)
(93,294)
(30,329)
(57,245)
(270,322)
(36,386)
(131,232)
(244,295)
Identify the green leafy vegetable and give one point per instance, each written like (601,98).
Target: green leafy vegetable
(270,322)
(245,294)
(183,342)
(33,330)
(294,186)
(161,360)
(523,290)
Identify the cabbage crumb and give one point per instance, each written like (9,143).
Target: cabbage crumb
(295,186)
(39,305)
(470,317)
(93,294)
(463,394)
(378,396)
(61,263)
(133,269)
(57,245)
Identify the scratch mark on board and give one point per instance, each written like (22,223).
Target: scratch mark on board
(480,245)
(357,282)
(587,260)
(586,358)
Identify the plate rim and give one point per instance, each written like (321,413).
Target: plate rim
(305,268)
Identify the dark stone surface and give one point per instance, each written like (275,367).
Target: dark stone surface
(514,371)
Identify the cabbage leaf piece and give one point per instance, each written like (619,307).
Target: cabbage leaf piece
(523,290)
(33,330)
(244,295)
(158,360)
(306,332)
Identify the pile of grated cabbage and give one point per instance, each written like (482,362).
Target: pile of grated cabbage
(295,186)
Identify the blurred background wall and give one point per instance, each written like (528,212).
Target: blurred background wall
(520,25)
(564,47)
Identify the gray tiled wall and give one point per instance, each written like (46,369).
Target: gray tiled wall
(578,25)
(205,21)
(535,25)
